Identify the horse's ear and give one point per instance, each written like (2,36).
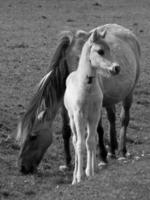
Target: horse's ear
(95,36)
(82,34)
(103,33)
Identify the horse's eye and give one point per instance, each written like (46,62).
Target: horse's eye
(33,137)
(101,52)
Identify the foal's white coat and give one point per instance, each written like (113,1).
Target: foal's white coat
(83,101)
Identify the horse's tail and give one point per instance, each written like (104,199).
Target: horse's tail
(50,89)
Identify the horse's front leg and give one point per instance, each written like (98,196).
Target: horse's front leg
(112,130)
(74,142)
(80,144)
(66,132)
(125,117)
(91,150)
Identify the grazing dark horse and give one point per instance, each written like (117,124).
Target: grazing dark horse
(125,49)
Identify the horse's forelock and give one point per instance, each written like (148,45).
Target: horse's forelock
(22,133)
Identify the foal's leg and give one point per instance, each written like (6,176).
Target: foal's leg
(91,150)
(125,117)
(112,130)
(80,144)
(74,142)
(66,132)
(102,148)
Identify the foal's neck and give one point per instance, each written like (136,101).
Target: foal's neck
(85,71)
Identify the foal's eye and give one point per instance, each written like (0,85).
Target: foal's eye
(101,52)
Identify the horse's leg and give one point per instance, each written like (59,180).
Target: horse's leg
(102,148)
(91,150)
(125,117)
(80,131)
(66,132)
(74,142)
(112,130)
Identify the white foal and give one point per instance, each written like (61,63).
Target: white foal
(83,100)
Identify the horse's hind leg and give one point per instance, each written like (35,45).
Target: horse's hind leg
(66,132)
(112,130)
(102,148)
(125,117)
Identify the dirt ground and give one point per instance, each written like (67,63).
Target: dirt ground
(28,36)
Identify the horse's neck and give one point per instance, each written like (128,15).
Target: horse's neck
(84,68)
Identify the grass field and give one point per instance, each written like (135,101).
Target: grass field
(28,36)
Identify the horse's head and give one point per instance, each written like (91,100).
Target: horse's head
(100,54)
(34,131)
(34,145)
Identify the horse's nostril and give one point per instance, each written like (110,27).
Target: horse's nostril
(117,69)
(25,170)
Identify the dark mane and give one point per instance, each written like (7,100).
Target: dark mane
(50,90)
(55,84)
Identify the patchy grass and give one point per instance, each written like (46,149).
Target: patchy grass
(28,37)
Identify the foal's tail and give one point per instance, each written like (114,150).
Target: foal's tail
(50,90)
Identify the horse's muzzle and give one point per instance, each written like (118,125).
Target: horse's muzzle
(26,169)
(115,70)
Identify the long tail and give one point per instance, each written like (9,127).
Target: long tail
(50,90)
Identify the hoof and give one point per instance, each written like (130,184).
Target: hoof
(122,158)
(102,164)
(128,155)
(64,168)
(74,182)
(137,157)
(111,155)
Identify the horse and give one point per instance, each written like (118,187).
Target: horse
(83,100)
(125,49)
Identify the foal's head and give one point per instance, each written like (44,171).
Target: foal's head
(100,54)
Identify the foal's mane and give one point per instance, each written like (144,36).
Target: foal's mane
(50,90)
